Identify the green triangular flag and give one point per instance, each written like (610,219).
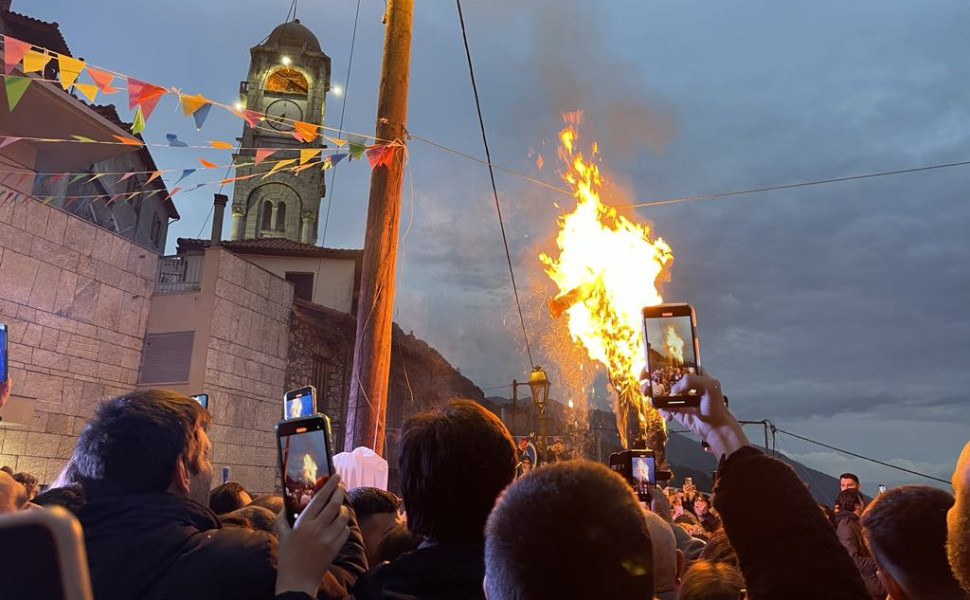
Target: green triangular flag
(16,86)
(77,177)
(138,125)
(356,144)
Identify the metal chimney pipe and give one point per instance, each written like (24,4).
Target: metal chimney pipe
(217,215)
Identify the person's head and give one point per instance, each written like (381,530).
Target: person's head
(271,502)
(849,500)
(454,461)
(146,441)
(70,496)
(569,530)
(13,495)
(709,580)
(29,482)
(7,470)
(905,529)
(397,542)
(228,497)
(668,561)
(849,481)
(702,505)
(719,549)
(377,514)
(958,521)
(252,517)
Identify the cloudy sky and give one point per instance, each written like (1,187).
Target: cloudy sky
(839,311)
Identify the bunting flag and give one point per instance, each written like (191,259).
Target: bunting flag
(138,122)
(13,51)
(222,145)
(337,141)
(126,176)
(89,90)
(77,178)
(55,178)
(153,177)
(16,86)
(102,80)
(83,138)
(357,145)
(304,167)
(305,132)
(35,61)
(251,117)
(308,154)
(279,165)
(96,177)
(201,115)
(336,158)
(263,153)
(380,155)
(145,95)
(8,140)
(185,173)
(190,104)
(325,163)
(173,191)
(174,141)
(129,141)
(239,178)
(70,69)
(208,163)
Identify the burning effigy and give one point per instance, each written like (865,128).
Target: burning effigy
(607,270)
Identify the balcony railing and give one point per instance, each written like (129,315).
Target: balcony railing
(180,273)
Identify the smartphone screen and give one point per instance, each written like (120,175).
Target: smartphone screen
(304,461)
(3,351)
(202,399)
(299,403)
(643,469)
(671,351)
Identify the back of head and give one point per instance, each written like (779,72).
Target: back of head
(664,544)
(708,580)
(12,494)
(70,496)
(905,528)
(29,482)
(848,500)
(271,502)
(252,517)
(132,442)
(395,543)
(958,521)
(227,498)
(367,501)
(454,462)
(719,549)
(568,530)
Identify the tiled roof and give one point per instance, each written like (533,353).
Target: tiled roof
(37,32)
(272,246)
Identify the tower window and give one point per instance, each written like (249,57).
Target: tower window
(286,80)
(267,221)
(281,216)
(302,285)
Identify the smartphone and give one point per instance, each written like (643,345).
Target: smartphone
(306,460)
(49,561)
(670,346)
(202,399)
(3,352)
(882,487)
(301,402)
(639,468)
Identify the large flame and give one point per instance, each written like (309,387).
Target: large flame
(309,470)
(607,271)
(675,346)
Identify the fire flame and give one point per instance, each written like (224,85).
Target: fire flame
(606,271)
(309,471)
(675,346)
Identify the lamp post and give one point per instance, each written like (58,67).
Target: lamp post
(539,386)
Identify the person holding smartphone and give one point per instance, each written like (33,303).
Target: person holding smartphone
(786,547)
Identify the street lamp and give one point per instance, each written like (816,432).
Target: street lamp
(539,386)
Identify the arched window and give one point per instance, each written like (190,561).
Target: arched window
(286,80)
(281,216)
(267,222)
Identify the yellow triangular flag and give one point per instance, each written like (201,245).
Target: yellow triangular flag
(279,165)
(70,69)
(308,154)
(89,90)
(337,141)
(190,104)
(35,61)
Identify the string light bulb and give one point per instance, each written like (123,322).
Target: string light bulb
(286,60)
(337,90)
(238,105)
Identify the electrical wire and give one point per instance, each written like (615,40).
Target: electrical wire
(491,174)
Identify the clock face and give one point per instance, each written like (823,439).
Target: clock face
(280,114)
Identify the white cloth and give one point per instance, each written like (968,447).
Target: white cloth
(361,468)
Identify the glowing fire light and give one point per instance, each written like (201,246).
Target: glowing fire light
(675,346)
(309,471)
(606,271)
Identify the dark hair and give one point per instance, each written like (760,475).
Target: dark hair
(454,461)
(719,549)
(907,532)
(851,476)
(252,517)
(569,530)
(7,470)
(703,498)
(28,481)
(367,501)
(271,502)
(225,498)
(709,580)
(687,518)
(70,496)
(131,443)
(396,542)
(849,499)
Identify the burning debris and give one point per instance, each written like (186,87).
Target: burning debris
(606,271)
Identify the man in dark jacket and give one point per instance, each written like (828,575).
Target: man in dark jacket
(785,547)
(143,461)
(849,530)
(454,462)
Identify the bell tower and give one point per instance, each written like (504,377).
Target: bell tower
(289,76)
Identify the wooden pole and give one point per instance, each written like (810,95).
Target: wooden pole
(367,407)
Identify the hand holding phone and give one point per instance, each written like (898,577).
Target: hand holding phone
(306,461)
(308,548)
(671,351)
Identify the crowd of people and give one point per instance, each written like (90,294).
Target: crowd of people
(469,523)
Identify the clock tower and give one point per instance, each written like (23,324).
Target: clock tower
(289,76)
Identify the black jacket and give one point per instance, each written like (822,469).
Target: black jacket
(445,571)
(785,545)
(161,545)
(849,530)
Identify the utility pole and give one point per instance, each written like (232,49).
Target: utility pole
(367,407)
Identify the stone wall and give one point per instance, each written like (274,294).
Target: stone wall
(75,298)
(245,373)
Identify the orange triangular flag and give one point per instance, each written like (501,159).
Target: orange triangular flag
(263,153)
(190,104)
(154,176)
(89,90)
(129,141)
(306,132)
(208,163)
(223,145)
(337,141)
(307,154)
(302,167)
(102,80)
(279,165)
(70,69)
(35,61)
(239,178)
